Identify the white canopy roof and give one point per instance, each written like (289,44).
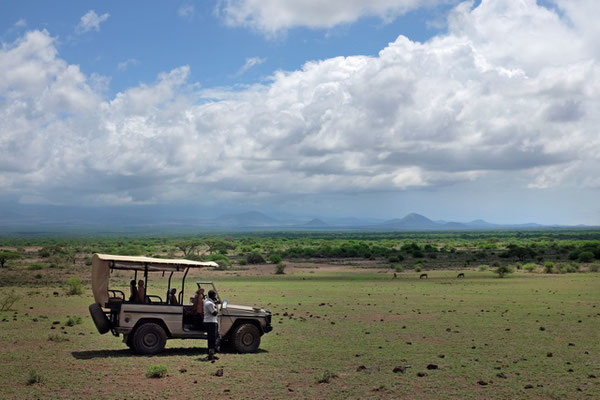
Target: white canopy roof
(103,263)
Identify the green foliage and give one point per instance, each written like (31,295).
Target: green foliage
(569,268)
(418,268)
(280,268)
(399,268)
(58,338)
(156,371)
(396,259)
(8,300)
(220,259)
(72,321)
(6,255)
(87,260)
(326,377)
(484,267)
(36,266)
(34,378)
(531,267)
(504,270)
(275,259)
(255,258)
(74,286)
(549,267)
(594,267)
(585,256)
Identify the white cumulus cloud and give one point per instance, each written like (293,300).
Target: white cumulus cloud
(510,91)
(272,16)
(250,63)
(91,21)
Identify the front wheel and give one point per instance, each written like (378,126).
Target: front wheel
(246,338)
(149,339)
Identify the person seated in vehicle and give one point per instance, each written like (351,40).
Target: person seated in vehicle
(141,292)
(172,298)
(196,313)
(134,292)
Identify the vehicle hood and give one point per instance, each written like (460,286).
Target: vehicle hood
(237,309)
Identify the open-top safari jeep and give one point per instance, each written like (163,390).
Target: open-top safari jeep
(147,325)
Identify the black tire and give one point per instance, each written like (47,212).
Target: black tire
(148,339)
(100,319)
(246,338)
(129,341)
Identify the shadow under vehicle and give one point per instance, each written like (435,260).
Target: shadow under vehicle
(147,325)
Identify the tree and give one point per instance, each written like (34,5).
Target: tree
(503,270)
(6,255)
(188,247)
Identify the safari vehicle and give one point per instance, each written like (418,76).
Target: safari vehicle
(147,325)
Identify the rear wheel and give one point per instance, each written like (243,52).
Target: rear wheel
(246,338)
(149,339)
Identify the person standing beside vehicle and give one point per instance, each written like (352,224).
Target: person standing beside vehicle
(211,322)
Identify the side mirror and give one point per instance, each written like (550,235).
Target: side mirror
(224,305)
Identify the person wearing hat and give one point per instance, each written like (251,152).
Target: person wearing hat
(211,322)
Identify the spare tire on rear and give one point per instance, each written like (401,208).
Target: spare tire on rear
(100,319)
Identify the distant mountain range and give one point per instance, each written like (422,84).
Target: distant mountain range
(54,219)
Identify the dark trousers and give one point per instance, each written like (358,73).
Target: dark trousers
(211,332)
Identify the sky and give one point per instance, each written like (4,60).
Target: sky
(455,110)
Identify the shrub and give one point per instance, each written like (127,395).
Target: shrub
(275,259)
(55,337)
(220,259)
(8,300)
(34,378)
(156,371)
(395,259)
(585,256)
(530,267)
(87,260)
(484,267)
(36,266)
(280,269)
(549,267)
(399,268)
(242,261)
(569,268)
(74,286)
(418,268)
(326,377)
(255,258)
(72,321)
(594,267)
(504,270)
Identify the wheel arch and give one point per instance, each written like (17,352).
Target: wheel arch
(157,321)
(242,321)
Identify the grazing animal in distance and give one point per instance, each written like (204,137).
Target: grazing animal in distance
(423,276)
(461,275)
(395,276)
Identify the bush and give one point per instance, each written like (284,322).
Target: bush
(36,266)
(220,259)
(585,256)
(530,267)
(399,268)
(156,371)
(242,261)
(594,267)
(74,286)
(549,267)
(55,337)
(34,378)
(7,255)
(326,377)
(255,258)
(569,268)
(504,270)
(8,300)
(280,269)
(484,267)
(87,260)
(418,268)
(275,259)
(396,259)
(72,321)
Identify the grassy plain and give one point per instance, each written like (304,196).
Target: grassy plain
(529,335)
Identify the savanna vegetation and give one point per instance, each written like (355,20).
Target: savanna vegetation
(352,319)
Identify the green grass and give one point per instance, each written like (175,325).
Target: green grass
(336,322)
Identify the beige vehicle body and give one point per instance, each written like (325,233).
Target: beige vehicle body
(146,326)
